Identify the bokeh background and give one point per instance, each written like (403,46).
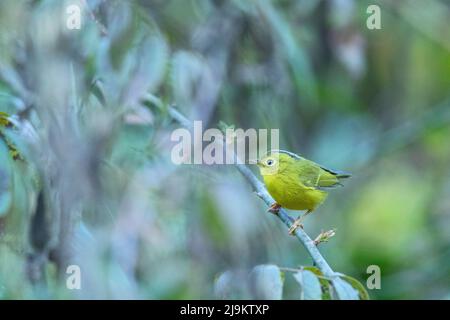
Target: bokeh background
(94,185)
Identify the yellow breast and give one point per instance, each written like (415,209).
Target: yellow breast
(291,194)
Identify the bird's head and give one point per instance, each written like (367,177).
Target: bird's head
(273,163)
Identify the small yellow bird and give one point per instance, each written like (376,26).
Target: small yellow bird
(296,183)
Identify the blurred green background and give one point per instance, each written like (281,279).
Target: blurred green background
(95,186)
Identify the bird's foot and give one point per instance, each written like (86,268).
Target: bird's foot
(274,208)
(297,224)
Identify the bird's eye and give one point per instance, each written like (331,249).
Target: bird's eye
(270,162)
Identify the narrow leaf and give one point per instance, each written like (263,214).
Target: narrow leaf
(309,285)
(363,294)
(232,285)
(343,290)
(266,282)
(5,180)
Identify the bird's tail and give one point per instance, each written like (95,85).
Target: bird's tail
(343,175)
(339,174)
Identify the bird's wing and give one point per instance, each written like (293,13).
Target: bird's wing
(313,175)
(338,173)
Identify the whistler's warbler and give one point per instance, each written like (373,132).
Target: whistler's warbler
(296,183)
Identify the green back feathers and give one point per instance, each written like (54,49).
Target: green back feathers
(310,173)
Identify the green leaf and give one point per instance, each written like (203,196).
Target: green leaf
(294,54)
(232,285)
(225,286)
(5,193)
(97,91)
(188,70)
(5,180)
(4,122)
(123,31)
(309,285)
(150,57)
(343,290)
(9,138)
(266,282)
(324,282)
(363,294)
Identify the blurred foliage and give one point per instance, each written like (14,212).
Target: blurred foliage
(85,170)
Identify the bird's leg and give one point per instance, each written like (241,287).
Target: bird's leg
(298,223)
(274,208)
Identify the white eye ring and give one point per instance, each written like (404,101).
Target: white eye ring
(270,162)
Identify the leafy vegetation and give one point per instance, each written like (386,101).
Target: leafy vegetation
(86,176)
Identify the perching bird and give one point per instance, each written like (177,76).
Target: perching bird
(296,183)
